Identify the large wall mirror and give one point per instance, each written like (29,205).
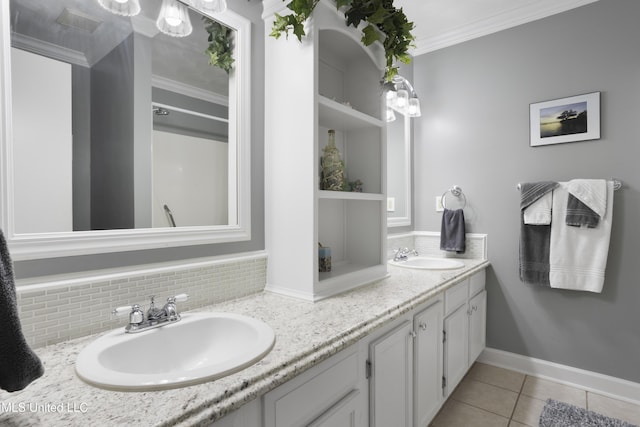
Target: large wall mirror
(117,135)
(399,171)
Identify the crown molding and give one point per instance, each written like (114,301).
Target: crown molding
(501,21)
(49,50)
(188,90)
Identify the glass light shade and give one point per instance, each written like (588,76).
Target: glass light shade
(173,19)
(213,6)
(390,116)
(121,7)
(403,99)
(391,97)
(413,109)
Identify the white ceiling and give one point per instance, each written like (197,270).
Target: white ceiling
(442,23)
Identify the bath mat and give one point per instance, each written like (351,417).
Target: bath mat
(560,414)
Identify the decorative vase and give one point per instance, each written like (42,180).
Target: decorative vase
(332,166)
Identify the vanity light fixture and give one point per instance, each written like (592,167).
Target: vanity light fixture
(174,19)
(401,97)
(121,7)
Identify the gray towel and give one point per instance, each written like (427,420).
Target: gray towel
(19,365)
(579,214)
(534,239)
(452,231)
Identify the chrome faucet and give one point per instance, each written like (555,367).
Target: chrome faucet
(155,316)
(402,254)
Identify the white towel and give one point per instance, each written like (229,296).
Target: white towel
(539,212)
(591,192)
(577,255)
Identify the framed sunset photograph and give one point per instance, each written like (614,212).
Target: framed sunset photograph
(576,118)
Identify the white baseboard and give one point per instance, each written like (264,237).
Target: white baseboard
(591,381)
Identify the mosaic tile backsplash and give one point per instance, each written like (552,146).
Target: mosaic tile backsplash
(52,313)
(57,311)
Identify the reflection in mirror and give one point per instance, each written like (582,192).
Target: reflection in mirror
(96,77)
(117,126)
(399,171)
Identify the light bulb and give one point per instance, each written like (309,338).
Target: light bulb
(121,7)
(213,6)
(414,108)
(403,99)
(173,19)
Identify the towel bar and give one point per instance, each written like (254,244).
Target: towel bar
(617,184)
(456,191)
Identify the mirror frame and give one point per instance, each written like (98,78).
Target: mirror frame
(26,246)
(406,177)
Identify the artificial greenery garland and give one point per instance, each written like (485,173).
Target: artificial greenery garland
(381,16)
(220,50)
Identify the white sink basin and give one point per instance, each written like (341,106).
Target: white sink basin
(199,348)
(425,263)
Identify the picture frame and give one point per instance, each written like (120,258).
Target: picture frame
(571,119)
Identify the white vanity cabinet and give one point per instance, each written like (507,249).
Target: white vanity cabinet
(390,371)
(329,394)
(464,328)
(327,81)
(405,383)
(427,365)
(392,377)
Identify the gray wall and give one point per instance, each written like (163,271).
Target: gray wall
(474,132)
(252,10)
(81,119)
(112,147)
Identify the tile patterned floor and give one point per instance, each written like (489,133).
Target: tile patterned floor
(494,397)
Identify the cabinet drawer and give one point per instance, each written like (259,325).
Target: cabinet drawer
(307,397)
(476,283)
(455,296)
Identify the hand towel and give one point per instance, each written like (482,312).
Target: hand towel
(534,238)
(579,214)
(539,212)
(591,192)
(578,256)
(587,202)
(452,231)
(19,365)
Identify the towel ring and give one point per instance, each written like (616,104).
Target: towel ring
(456,191)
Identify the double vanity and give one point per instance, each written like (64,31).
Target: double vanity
(390,331)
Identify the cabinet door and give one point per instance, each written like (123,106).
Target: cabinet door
(427,364)
(391,358)
(477,325)
(345,413)
(456,350)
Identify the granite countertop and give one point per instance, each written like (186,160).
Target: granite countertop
(306,334)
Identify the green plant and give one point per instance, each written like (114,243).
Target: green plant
(220,49)
(384,23)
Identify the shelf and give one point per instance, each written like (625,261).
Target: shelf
(344,268)
(347,195)
(336,116)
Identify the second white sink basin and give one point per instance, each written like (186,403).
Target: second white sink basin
(199,348)
(426,263)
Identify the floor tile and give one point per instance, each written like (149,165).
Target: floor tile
(614,408)
(457,414)
(545,389)
(516,424)
(528,411)
(486,396)
(500,377)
